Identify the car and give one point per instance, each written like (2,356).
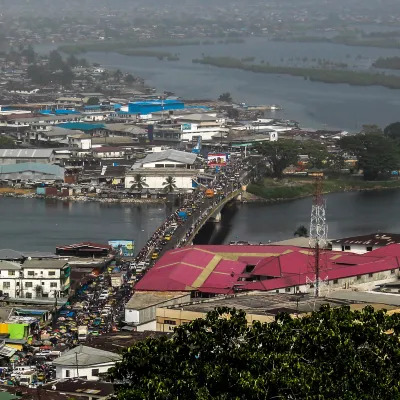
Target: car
(154,256)
(167,237)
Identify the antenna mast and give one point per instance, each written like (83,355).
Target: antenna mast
(318,230)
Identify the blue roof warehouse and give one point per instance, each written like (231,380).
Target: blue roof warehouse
(148,107)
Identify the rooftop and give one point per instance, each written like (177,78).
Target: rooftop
(142,300)
(81,386)
(85,356)
(373,239)
(44,264)
(172,155)
(48,169)
(227,269)
(117,341)
(9,265)
(26,153)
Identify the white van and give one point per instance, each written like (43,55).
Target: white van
(23,368)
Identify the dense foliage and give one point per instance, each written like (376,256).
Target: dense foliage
(330,354)
(378,155)
(327,75)
(279,155)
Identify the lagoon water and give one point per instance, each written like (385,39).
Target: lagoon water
(313,104)
(37,224)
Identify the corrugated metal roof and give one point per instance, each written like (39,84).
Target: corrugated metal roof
(172,155)
(48,169)
(86,356)
(218,269)
(26,153)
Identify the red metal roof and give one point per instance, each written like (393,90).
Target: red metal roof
(216,269)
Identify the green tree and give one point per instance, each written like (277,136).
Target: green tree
(29,54)
(6,143)
(55,61)
(279,155)
(93,101)
(317,153)
(377,154)
(118,75)
(393,130)
(330,354)
(139,182)
(225,97)
(301,231)
(169,184)
(129,79)
(337,161)
(72,61)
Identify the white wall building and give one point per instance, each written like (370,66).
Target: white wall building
(35,278)
(84,362)
(365,243)
(140,310)
(156,167)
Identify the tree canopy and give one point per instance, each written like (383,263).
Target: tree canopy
(225,97)
(377,154)
(393,130)
(279,155)
(6,143)
(93,101)
(330,354)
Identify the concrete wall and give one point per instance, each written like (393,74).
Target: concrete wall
(61,371)
(156,182)
(148,326)
(165,164)
(354,248)
(148,314)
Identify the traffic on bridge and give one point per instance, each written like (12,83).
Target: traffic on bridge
(179,228)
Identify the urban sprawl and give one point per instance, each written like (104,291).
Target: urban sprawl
(74,131)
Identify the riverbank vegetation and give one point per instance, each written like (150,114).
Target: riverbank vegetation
(297,187)
(387,63)
(387,42)
(377,165)
(122,47)
(326,75)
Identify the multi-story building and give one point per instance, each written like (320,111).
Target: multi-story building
(35,278)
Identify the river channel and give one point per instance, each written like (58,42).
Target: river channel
(313,104)
(37,224)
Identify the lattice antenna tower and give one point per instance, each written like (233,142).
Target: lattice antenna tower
(318,231)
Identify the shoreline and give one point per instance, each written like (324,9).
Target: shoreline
(82,199)
(253,198)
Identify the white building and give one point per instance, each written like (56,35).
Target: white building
(108,152)
(364,243)
(81,140)
(156,167)
(35,278)
(84,362)
(140,310)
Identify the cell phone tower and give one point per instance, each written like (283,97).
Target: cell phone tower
(318,231)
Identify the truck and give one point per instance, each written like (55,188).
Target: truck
(209,193)
(82,333)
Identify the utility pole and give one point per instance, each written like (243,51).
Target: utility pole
(318,231)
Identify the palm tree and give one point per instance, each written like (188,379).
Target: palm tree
(301,231)
(139,183)
(169,184)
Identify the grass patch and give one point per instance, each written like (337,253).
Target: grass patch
(288,189)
